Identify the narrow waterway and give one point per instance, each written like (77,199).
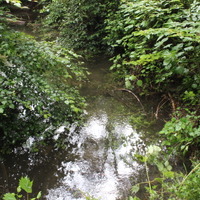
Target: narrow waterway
(95,160)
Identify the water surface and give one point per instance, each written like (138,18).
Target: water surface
(94,160)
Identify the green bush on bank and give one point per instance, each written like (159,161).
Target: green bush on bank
(182,132)
(36,94)
(159,45)
(168,184)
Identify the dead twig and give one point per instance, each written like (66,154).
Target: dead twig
(129,91)
(172,102)
(160,105)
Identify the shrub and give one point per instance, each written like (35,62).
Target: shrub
(35,93)
(159,44)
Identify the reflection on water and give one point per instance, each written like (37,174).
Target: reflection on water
(97,158)
(100,169)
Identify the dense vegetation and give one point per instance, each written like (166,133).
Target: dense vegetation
(36,92)
(155,47)
(80,23)
(158,45)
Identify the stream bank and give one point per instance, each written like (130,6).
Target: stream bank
(93,160)
(96,146)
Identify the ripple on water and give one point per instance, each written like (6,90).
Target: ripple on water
(101,169)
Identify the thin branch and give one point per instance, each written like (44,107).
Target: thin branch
(160,105)
(129,91)
(172,102)
(194,169)
(149,181)
(147,174)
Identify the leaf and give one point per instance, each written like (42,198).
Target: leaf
(141,158)
(168,174)
(166,62)
(132,78)
(12,106)
(139,83)
(154,187)
(76,110)
(160,167)
(160,43)
(168,166)
(46,116)
(135,188)
(39,195)
(26,184)
(4,102)
(153,150)
(160,180)
(128,84)
(194,85)
(1,110)
(9,196)
(179,70)
(19,189)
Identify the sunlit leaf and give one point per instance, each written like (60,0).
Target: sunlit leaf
(9,196)
(39,195)
(1,110)
(26,184)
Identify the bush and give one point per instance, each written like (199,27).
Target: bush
(168,184)
(80,23)
(159,44)
(182,132)
(35,93)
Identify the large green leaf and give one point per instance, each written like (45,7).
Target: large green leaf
(9,196)
(26,184)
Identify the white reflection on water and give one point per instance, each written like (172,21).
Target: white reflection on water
(100,170)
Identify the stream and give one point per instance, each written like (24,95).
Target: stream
(95,160)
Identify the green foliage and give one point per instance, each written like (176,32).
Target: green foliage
(189,187)
(182,132)
(80,23)
(170,184)
(157,50)
(36,92)
(26,185)
(9,196)
(14,2)
(158,43)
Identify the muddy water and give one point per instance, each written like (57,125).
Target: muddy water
(94,160)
